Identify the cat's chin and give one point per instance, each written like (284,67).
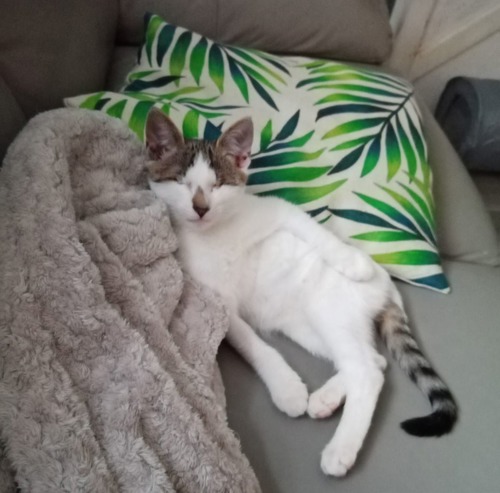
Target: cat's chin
(199,223)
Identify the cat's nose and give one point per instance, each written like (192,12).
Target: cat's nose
(201,211)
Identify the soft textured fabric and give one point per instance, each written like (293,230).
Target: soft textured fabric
(108,378)
(55,49)
(355,30)
(459,332)
(343,143)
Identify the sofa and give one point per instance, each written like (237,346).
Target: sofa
(59,48)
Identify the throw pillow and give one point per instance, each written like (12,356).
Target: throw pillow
(344,143)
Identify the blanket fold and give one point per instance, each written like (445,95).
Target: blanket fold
(108,379)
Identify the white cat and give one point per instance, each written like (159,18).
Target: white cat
(278,270)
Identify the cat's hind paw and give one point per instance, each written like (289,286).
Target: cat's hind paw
(327,399)
(357,266)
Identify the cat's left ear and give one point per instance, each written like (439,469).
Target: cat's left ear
(237,142)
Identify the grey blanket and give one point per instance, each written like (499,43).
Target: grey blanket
(108,379)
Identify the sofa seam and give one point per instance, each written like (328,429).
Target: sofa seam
(217,20)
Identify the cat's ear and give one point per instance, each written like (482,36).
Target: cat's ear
(237,142)
(162,136)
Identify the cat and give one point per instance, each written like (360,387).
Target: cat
(276,269)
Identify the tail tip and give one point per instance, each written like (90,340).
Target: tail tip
(434,425)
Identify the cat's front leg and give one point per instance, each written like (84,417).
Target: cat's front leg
(345,259)
(287,390)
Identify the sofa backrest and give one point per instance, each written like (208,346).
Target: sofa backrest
(50,50)
(59,48)
(354,30)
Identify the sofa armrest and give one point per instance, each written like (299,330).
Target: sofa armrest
(464,226)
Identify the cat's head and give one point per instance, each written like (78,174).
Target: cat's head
(201,181)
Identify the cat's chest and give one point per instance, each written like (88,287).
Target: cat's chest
(209,259)
(244,263)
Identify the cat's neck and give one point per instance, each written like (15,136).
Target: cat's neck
(243,219)
(206,228)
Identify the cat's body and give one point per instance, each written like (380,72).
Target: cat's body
(277,270)
(273,278)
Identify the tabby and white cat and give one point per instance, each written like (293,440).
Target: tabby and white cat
(278,270)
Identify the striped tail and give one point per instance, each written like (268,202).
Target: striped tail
(392,325)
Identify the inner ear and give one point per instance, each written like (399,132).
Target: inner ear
(162,136)
(242,161)
(237,142)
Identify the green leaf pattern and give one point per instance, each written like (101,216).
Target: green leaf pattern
(344,143)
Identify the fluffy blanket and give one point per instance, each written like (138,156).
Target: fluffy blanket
(108,379)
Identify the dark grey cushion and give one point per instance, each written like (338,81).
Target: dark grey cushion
(469,112)
(55,48)
(355,30)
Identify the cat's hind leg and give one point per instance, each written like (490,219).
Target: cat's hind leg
(328,398)
(363,379)
(324,401)
(286,388)
(348,336)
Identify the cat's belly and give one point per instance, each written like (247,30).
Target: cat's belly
(282,265)
(286,277)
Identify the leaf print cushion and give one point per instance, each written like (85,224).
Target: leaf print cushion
(342,142)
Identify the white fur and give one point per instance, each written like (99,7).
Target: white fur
(278,270)
(200,174)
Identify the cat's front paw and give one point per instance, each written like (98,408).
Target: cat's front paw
(291,397)
(337,460)
(357,266)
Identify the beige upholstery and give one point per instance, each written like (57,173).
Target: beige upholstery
(465,229)
(356,30)
(59,50)
(488,185)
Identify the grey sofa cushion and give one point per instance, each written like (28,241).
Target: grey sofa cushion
(355,30)
(59,50)
(459,332)
(488,185)
(13,118)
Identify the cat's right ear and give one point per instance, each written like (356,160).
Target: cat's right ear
(237,140)
(162,136)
